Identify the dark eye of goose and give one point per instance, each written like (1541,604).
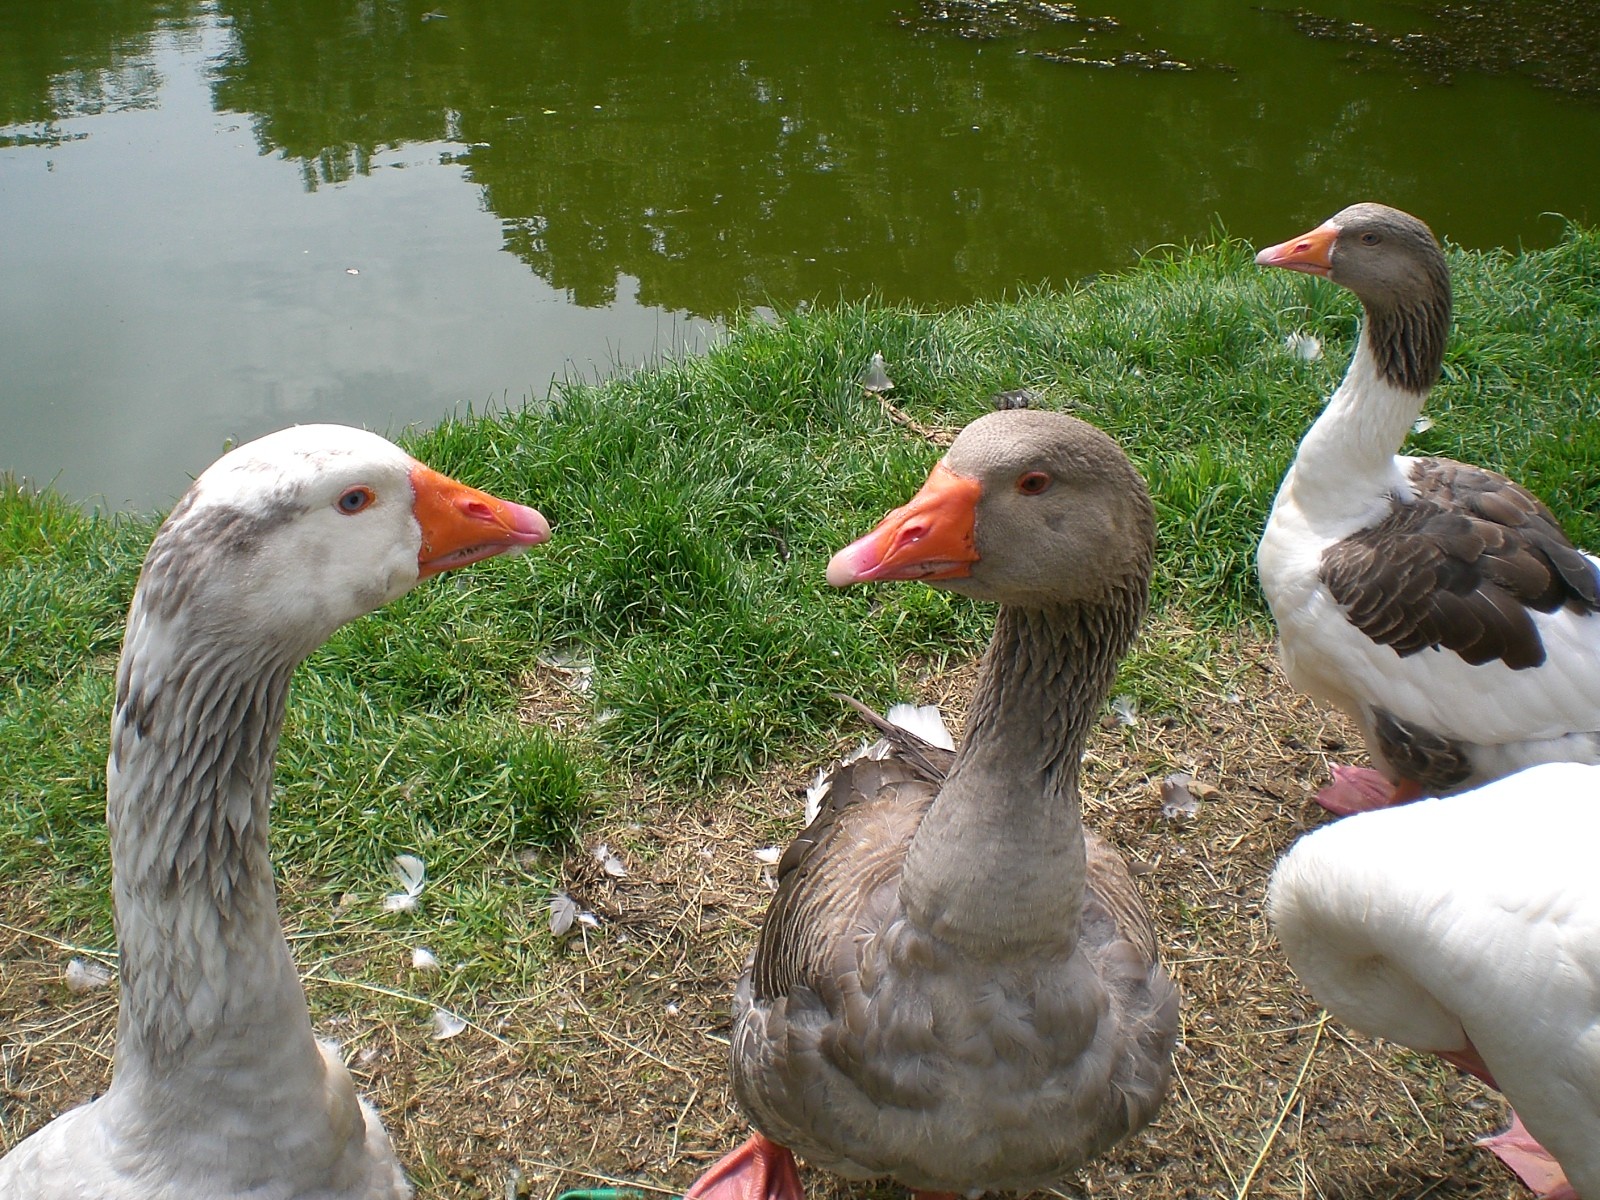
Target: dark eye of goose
(1034,482)
(355,499)
(1370,239)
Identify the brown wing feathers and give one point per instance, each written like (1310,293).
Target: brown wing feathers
(1461,567)
(817,877)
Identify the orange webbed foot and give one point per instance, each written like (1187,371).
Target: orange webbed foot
(1361,789)
(1530,1161)
(758,1170)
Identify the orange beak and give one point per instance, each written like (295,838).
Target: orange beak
(932,537)
(462,525)
(1310,252)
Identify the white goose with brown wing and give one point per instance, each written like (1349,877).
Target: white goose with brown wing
(1439,604)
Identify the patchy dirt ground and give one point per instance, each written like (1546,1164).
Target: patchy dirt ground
(614,1071)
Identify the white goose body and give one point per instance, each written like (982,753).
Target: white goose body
(219,1088)
(1468,927)
(1437,604)
(1491,705)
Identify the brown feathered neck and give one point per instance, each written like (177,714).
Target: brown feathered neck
(1406,334)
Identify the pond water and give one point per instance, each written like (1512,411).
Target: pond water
(218,217)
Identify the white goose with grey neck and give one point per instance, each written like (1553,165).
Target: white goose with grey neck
(220,1089)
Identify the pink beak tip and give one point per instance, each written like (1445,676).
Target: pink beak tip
(845,567)
(528,523)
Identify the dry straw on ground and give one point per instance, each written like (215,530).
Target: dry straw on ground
(613,1068)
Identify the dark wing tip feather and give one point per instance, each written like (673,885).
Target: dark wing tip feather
(932,761)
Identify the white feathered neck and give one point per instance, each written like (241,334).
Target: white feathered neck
(194,739)
(1347,468)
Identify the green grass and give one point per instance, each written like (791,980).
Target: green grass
(694,506)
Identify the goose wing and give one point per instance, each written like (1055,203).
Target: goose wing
(1463,566)
(849,856)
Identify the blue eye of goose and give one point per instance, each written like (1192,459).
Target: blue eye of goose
(355,499)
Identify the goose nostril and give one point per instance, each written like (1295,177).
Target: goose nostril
(914,532)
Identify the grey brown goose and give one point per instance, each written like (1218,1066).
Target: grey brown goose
(956,985)
(219,1088)
(1449,926)
(1439,604)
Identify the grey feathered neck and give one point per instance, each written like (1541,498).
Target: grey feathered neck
(998,863)
(194,737)
(1048,671)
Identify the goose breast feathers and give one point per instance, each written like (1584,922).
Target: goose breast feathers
(1472,924)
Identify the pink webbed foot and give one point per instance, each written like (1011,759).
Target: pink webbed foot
(1530,1161)
(758,1170)
(1361,789)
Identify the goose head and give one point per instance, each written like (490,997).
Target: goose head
(1030,508)
(287,537)
(1383,255)
(1394,265)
